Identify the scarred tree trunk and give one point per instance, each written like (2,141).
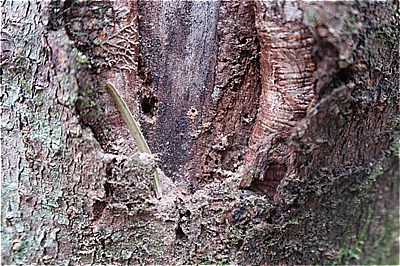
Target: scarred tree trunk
(274,124)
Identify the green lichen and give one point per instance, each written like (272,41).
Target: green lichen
(81,59)
(354,251)
(384,245)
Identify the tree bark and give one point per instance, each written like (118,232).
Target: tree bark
(274,123)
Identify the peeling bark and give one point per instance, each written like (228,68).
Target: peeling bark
(287,88)
(276,124)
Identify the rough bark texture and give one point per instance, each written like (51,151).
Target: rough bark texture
(275,122)
(287,89)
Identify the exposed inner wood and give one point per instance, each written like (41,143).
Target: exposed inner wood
(230,107)
(68,200)
(176,55)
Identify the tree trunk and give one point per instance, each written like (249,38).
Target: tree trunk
(274,123)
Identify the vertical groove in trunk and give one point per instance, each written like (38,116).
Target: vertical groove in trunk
(68,200)
(176,54)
